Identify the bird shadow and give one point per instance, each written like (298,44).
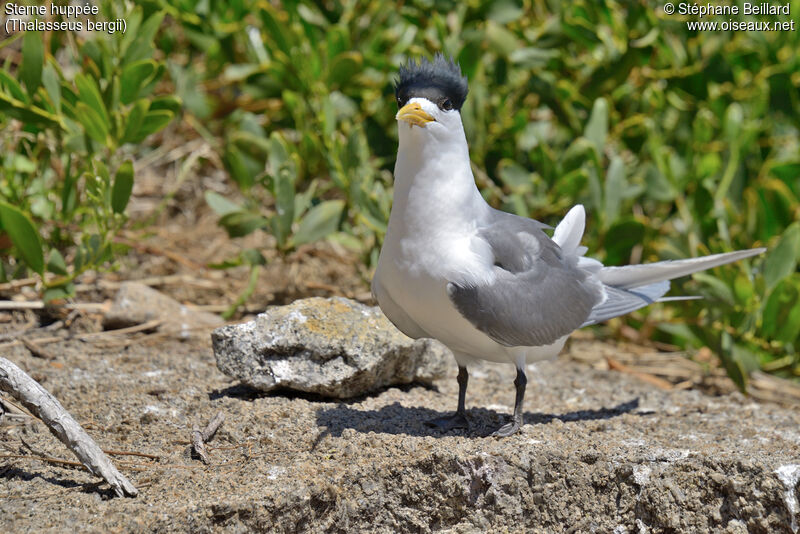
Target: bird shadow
(247,393)
(412,421)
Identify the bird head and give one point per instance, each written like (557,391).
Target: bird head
(430,95)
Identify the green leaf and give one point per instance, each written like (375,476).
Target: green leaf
(283,189)
(24,236)
(169,102)
(237,167)
(221,205)
(734,116)
(56,263)
(241,223)
(52,86)
(501,40)
(620,240)
(781,317)
(13,87)
(516,177)
(133,79)
(504,11)
(716,287)
(123,185)
(743,288)
(22,164)
(152,122)
(312,16)
(597,127)
(27,113)
(92,122)
(134,120)
(59,292)
(89,94)
(344,67)
(252,256)
(731,360)
(530,57)
(277,31)
(782,260)
(134,21)
(614,188)
(786,171)
(321,220)
(30,70)
(142,47)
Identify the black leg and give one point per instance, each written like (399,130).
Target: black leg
(458,419)
(516,421)
(463,380)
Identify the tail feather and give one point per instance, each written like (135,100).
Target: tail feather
(620,301)
(637,276)
(632,287)
(569,231)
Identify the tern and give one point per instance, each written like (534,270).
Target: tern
(489,285)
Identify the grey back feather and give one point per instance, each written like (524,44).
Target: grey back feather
(538,296)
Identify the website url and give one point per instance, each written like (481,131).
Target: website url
(736,25)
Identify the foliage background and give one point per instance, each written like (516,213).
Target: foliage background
(679,143)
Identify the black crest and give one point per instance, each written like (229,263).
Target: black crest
(440,81)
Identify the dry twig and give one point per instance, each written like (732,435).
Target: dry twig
(199,438)
(36,350)
(40,305)
(46,407)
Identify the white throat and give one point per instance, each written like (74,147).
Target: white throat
(434,189)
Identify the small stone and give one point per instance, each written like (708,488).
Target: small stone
(331,347)
(136,304)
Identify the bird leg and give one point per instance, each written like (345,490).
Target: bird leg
(516,421)
(458,419)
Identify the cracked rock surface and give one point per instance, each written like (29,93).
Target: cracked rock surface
(332,347)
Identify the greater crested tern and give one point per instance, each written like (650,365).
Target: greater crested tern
(489,285)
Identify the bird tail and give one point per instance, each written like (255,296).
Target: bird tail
(638,276)
(631,287)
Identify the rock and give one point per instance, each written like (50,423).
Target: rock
(332,347)
(136,304)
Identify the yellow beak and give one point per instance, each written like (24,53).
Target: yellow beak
(413,113)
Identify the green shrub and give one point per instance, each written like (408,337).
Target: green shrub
(65,180)
(678,142)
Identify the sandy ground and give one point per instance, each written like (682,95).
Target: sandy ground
(600,450)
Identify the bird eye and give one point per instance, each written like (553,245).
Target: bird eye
(446,104)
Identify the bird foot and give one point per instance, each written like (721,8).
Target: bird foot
(457,420)
(507,429)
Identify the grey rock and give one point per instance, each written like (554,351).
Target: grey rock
(332,347)
(136,304)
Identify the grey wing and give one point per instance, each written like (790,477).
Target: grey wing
(538,295)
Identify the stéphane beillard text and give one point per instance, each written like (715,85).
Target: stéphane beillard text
(746,8)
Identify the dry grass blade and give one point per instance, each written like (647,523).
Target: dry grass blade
(650,379)
(772,388)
